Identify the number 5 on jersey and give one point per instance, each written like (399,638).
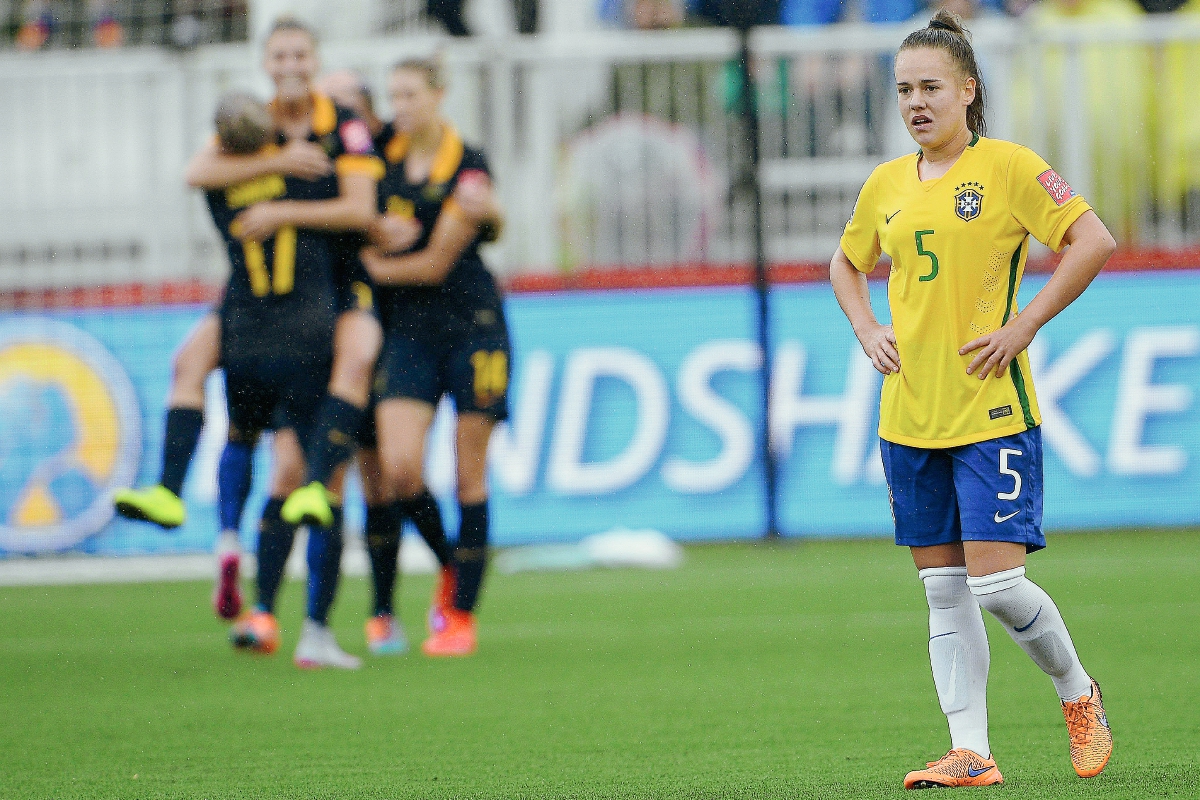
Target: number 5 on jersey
(921,251)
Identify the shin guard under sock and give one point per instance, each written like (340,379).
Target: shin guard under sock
(324,567)
(470,555)
(427,518)
(179,445)
(959,655)
(275,539)
(334,437)
(383,546)
(1033,621)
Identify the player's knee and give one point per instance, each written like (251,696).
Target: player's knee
(287,474)
(405,480)
(472,489)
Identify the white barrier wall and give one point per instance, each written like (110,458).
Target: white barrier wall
(609,148)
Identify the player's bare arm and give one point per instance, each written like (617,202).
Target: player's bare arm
(353,209)
(878,341)
(212,168)
(1090,245)
(393,233)
(429,266)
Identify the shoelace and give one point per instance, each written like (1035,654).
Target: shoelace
(1078,723)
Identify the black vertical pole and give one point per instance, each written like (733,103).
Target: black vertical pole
(751,182)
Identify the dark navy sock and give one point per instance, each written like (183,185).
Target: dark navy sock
(470,555)
(324,567)
(179,443)
(334,437)
(383,545)
(427,518)
(233,483)
(275,539)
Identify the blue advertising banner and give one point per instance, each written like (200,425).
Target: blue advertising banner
(630,408)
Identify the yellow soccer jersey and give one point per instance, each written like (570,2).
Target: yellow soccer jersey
(958,246)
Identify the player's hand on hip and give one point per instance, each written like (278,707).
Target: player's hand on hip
(393,233)
(257,223)
(997,349)
(304,160)
(879,343)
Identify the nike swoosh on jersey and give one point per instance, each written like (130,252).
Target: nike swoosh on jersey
(998,519)
(975,773)
(887,218)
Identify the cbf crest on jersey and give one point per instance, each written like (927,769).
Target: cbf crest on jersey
(968,200)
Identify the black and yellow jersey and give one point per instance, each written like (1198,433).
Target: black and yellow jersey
(280,295)
(469,290)
(347,141)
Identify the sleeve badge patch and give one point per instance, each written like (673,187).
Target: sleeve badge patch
(356,138)
(1058,189)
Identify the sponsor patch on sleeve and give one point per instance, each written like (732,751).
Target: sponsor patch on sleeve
(1056,187)
(356,138)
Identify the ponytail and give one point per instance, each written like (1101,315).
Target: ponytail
(945,32)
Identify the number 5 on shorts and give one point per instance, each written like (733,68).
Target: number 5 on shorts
(1005,470)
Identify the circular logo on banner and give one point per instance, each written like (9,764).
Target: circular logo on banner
(70,433)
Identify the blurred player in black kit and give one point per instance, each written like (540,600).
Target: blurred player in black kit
(337,200)
(445,335)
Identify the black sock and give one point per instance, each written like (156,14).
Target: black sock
(383,545)
(275,539)
(324,567)
(334,437)
(470,556)
(179,443)
(427,517)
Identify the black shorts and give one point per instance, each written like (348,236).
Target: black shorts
(273,395)
(353,286)
(471,364)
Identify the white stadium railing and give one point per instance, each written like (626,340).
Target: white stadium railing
(609,149)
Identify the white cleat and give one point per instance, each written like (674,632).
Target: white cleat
(318,648)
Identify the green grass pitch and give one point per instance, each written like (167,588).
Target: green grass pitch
(755,671)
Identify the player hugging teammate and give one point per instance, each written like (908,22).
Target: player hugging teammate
(959,423)
(292,188)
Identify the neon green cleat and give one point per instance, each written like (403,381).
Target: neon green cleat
(308,505)
(156,504)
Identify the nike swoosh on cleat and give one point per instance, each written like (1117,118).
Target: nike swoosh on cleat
(1030,625)
(998,519)
(975,773)
(889,217)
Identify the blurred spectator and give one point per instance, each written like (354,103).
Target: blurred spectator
(825,12)
(348,89)
(722,12)
(967,9)
(1177,165)
(450,14)
(1117,80)
(641,14)
(41,17)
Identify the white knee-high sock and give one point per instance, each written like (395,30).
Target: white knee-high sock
(1033,621)
(958,653)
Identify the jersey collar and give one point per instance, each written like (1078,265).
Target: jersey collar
(324,114)
(446,160)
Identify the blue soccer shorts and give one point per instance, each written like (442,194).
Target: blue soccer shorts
(983,492)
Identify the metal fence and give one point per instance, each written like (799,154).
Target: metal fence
(616,149)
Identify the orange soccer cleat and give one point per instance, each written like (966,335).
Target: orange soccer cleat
(1091,738)
(257,631)
(456,639)
(442,601)
(959,767)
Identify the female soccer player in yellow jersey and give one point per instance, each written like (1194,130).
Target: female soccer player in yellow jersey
(959,419)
